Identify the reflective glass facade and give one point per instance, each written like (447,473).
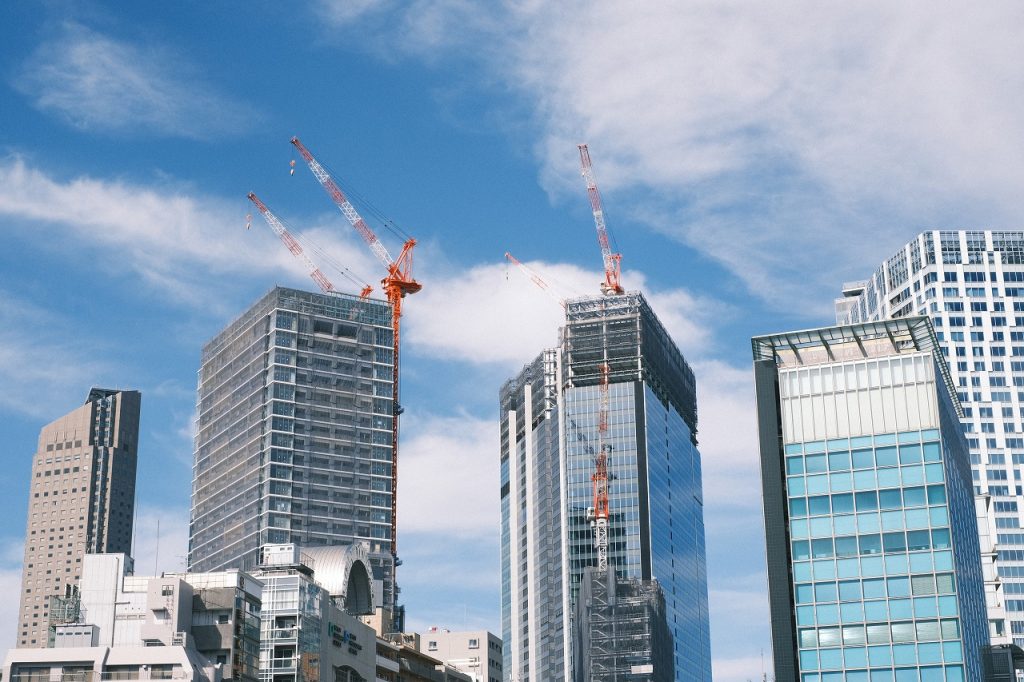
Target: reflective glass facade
(293,433)
(880,575)
(971,284)
(656,525)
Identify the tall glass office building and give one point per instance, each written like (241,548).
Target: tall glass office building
(293,433)
(549,418)
(971,284)
(872,547)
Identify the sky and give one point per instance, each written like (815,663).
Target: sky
(752,157)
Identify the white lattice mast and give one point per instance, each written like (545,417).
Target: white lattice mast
(600,477)
(293,245)
(612,261)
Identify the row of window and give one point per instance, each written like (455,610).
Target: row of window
(867,500)
(905,437)
(843,460)
(875,588)
(874,543)
(880,633)
(867,479)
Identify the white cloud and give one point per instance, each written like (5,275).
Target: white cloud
(493,313)
(181,243)
(798,143)
(97,83)
(448,477)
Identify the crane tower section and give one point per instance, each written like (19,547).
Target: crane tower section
(612,261)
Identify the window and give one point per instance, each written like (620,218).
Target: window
(431,646)
(166,590)
(474,643)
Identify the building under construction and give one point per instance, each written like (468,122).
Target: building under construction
(621,632)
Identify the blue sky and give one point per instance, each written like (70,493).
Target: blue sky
(751,157)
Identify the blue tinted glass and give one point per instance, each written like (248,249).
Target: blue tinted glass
(871,566)
(804,593)
(940,538)
(809,659)
(863,459)
(899,587)
(917,518)
(818,505)
(856,657)
(830,659)
(885,439)
(801,549)
(904,653)
(839,461)
(867,522)
(876,610)
(910,454)
(890,499)
(798,527)
(930,653)
(821,526)
(900,608)
(913,474)
(849,589)
(906,675)
(886,457)
(947,606)
(802,570)
(932,453)
(918,540)
(936,494)
(870,544)
(888,478)
(828,614)
(825,592)
(841,482)
(952,652)
(910,437)
(839,444)
(880,655)
(892,520)
(794,448)
(864,480)
(794,465)
(896,563)
(925,607)
(822,548)
(842,504)
(815,446)
(847,546)
(795,485)
(847,568)
(817,484)
(921,562)
(798,507)
(852,612)
(868,500)
(860,442)
(875,588)
(894,542)
(939,516)
(815,464)
(914,497)
(844,525)
(933,472)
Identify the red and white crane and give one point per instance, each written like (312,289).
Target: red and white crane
(293,245)
(397,284)
(535,278)
(612,261)
(600,477)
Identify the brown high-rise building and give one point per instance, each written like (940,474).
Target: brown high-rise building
(81,500)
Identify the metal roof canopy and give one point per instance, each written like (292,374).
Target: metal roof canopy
(904,334)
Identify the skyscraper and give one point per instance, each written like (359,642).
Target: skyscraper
(293,434)
(550,416)
(82,500)
(873,558)
(971,284)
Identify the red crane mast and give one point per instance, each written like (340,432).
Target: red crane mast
(397,284)
(612,261)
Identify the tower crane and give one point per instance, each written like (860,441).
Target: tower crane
(397,284)
(534,277)
(293,245)
(599,517)
(612,261)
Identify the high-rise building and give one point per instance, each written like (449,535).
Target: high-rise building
(82,500)
(874,568)
(971,284)
(614,356)
(293,434)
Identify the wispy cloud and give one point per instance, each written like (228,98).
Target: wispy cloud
(774,138)
(49,367)
(100,84)
(183,244)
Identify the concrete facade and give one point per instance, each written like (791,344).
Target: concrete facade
(476,653)
(81,500)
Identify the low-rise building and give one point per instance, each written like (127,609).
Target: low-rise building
(476,653)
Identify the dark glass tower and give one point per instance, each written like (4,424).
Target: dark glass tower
(656,524)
